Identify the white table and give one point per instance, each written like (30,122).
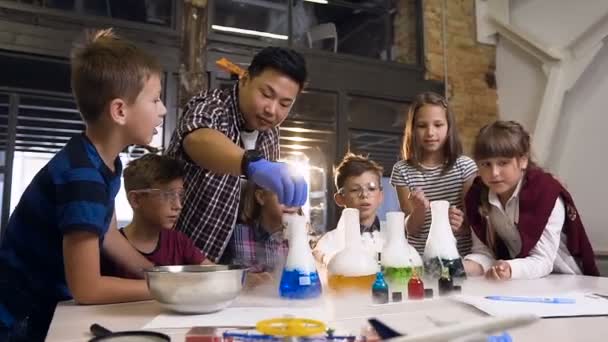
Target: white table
(71,322)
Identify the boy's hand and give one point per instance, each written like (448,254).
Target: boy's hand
(419,200)
(456,218)
(500,271)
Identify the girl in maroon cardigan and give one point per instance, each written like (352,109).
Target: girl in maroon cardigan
(524,223)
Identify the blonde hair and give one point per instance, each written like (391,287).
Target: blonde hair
(152,168)
(106,67)
(412,151)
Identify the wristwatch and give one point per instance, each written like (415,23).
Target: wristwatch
(248,157)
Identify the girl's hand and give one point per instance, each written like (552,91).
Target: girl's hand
(472,268)
(456,219)
(419,200)
(500,271)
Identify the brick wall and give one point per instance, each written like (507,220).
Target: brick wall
(471,82)
(404,28)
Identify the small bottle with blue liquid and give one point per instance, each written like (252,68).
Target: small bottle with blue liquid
(379,290)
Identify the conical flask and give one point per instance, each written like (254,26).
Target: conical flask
(440,250)
(396,263)
(353,268)
(300,279)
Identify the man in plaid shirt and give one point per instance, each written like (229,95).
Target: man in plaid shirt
(225,134)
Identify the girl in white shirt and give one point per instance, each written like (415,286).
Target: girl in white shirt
(524,223)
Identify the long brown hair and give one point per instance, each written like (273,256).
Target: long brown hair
(250,207)
(412,151)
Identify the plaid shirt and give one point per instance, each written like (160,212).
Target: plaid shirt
(253,247)
(212,200)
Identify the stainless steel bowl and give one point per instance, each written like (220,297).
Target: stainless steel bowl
(195,289)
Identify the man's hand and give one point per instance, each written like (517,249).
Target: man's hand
(291,189)
(500,271)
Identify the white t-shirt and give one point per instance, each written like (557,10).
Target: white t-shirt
(249,139)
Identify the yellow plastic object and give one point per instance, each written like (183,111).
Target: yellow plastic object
(291,327)
(230,67)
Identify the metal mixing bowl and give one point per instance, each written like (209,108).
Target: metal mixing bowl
(195,289)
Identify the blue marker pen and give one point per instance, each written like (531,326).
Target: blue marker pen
(546,300)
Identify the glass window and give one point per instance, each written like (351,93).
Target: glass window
(315,106)
(261,19)
(342,29)
(156,12)
(376,129)
(378,29)
(27,164)
(383,148)
(308,140)
(374,114)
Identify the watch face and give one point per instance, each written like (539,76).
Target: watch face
(254,155)
(249,157)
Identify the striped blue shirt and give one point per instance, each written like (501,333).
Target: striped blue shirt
(75,191)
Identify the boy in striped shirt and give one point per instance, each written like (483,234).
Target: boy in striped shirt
(65,218)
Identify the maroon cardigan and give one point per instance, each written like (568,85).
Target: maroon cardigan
(537,197)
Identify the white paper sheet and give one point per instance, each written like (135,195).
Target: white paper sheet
(586,305)
(233,316)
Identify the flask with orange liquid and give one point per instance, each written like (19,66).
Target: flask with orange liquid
(353,268)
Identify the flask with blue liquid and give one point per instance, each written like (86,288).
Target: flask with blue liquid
(300,279)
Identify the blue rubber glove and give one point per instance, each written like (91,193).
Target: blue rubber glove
(291,189)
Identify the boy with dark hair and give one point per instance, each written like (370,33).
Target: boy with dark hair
(155,189)
(65,217)
(359,186)
(226,134)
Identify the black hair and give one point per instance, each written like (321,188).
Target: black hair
(285,61)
